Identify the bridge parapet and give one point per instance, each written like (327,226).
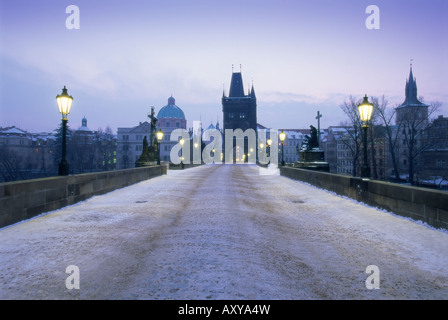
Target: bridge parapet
(427,205)
(22,200)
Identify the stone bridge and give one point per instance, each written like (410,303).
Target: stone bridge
(225,232)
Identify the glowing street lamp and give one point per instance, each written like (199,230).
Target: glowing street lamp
(269,146)
(65,104)
(282,137)
(182,141)
(159,140)
(365,110)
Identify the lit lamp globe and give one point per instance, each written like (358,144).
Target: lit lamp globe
(159,135)
(365,110)
(64,103)
(282,136)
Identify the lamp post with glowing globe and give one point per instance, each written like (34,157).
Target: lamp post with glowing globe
(159,140)
(365,110)
(182,141)
(65,104)
(282,137)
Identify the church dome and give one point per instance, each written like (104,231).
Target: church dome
(171,110)
(83,126)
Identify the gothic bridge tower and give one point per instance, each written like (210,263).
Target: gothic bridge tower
(239,110)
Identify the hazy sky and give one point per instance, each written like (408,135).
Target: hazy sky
(301,56)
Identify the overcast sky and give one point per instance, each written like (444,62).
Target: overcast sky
(301,56)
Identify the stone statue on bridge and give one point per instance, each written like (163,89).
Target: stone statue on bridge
(149,152)
(311,142)
(311,157)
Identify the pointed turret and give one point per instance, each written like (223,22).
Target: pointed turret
(411,91)
(252,92)
(236,85)
(411,109)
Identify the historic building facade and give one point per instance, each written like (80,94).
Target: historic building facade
(130,144)
(25,155)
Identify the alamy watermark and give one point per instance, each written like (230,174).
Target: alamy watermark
(373,20)
(72,281)
(245,147)
(373,280)
(73,20)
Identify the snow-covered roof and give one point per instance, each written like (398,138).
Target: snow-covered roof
(14,130)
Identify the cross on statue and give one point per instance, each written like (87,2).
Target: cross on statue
(153,126)
(319,115)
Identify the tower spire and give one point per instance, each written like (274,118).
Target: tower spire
(252,91)
(236,85)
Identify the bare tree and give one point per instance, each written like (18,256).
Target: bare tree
(11,165)
(353,143)
(415,123)
(386,116)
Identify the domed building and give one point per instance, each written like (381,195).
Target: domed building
(83,135)
(169,118)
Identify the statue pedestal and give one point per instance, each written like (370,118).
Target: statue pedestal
(139,164)
(312,160)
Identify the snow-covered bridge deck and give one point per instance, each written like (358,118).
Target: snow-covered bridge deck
(222,232)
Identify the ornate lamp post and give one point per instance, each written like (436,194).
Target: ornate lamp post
(282,137)
(182,141)
(65,104)
(269,147)
(159,140)
(365,110)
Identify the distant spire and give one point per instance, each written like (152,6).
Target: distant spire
(252,91)
(411,90)
(411,86)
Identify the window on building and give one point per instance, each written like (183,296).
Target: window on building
(177,124)
(230,115)
(242,115)
(440,163)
